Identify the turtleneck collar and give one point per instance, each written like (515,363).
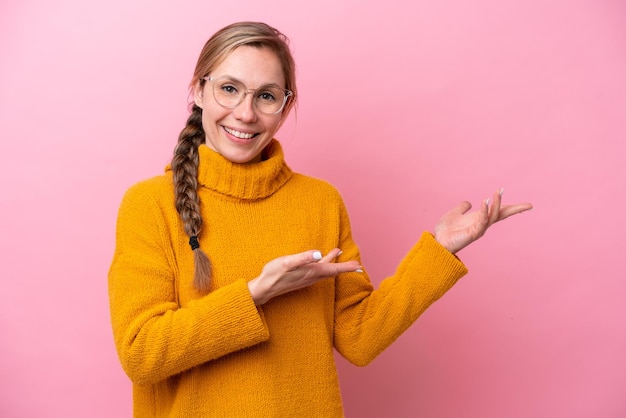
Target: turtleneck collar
(244,181)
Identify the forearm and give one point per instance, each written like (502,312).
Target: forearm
(162,340)
(369,321)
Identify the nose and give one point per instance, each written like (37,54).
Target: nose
(246,111)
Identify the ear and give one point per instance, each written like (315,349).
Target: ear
(198,93)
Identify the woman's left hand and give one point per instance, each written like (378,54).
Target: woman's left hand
(459,227)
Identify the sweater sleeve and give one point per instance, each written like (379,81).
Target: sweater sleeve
(366,320)
(154,337)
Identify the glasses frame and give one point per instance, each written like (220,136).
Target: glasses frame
(246,91)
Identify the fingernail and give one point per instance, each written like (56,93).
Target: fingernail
(339,253)
(359,270)
(501,191)
(317,255)
(487,202)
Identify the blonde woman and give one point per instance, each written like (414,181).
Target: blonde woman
(234,278)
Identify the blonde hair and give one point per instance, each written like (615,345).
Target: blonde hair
(186,158)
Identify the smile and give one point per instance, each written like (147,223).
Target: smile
(241,135)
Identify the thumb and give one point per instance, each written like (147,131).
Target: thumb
(463,207)
(292,262)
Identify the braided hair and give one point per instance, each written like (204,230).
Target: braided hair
(185,169)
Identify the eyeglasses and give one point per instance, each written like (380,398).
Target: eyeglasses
(230,93)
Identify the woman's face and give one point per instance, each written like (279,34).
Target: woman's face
(240,134)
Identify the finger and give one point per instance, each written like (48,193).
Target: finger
(462,208)
(333,269)
(292,262)
(484,209)
(494,210)
(510,210)
(331,256)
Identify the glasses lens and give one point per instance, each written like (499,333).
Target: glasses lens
(230,93)
(269,100)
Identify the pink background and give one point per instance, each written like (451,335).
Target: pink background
(407,108)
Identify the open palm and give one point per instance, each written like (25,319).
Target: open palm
(459,227)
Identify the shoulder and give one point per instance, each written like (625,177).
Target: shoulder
(311,185)
(154,191)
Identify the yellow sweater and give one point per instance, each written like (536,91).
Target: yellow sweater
(219,355)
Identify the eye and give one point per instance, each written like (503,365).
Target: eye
(267,96)
(228,89)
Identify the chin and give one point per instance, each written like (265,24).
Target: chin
(241,157)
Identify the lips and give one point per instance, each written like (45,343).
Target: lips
(240,135)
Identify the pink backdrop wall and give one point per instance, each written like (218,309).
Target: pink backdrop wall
(407,109)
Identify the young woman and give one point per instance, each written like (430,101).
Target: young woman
(234,278)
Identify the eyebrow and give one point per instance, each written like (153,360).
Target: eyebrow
(234,79)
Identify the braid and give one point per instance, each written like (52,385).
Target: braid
(185,168)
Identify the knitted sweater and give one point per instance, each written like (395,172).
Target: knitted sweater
(219,355)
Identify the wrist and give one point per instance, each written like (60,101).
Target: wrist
(258,294)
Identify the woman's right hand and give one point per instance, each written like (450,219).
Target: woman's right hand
(291,272)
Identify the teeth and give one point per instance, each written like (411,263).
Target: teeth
(238,134)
